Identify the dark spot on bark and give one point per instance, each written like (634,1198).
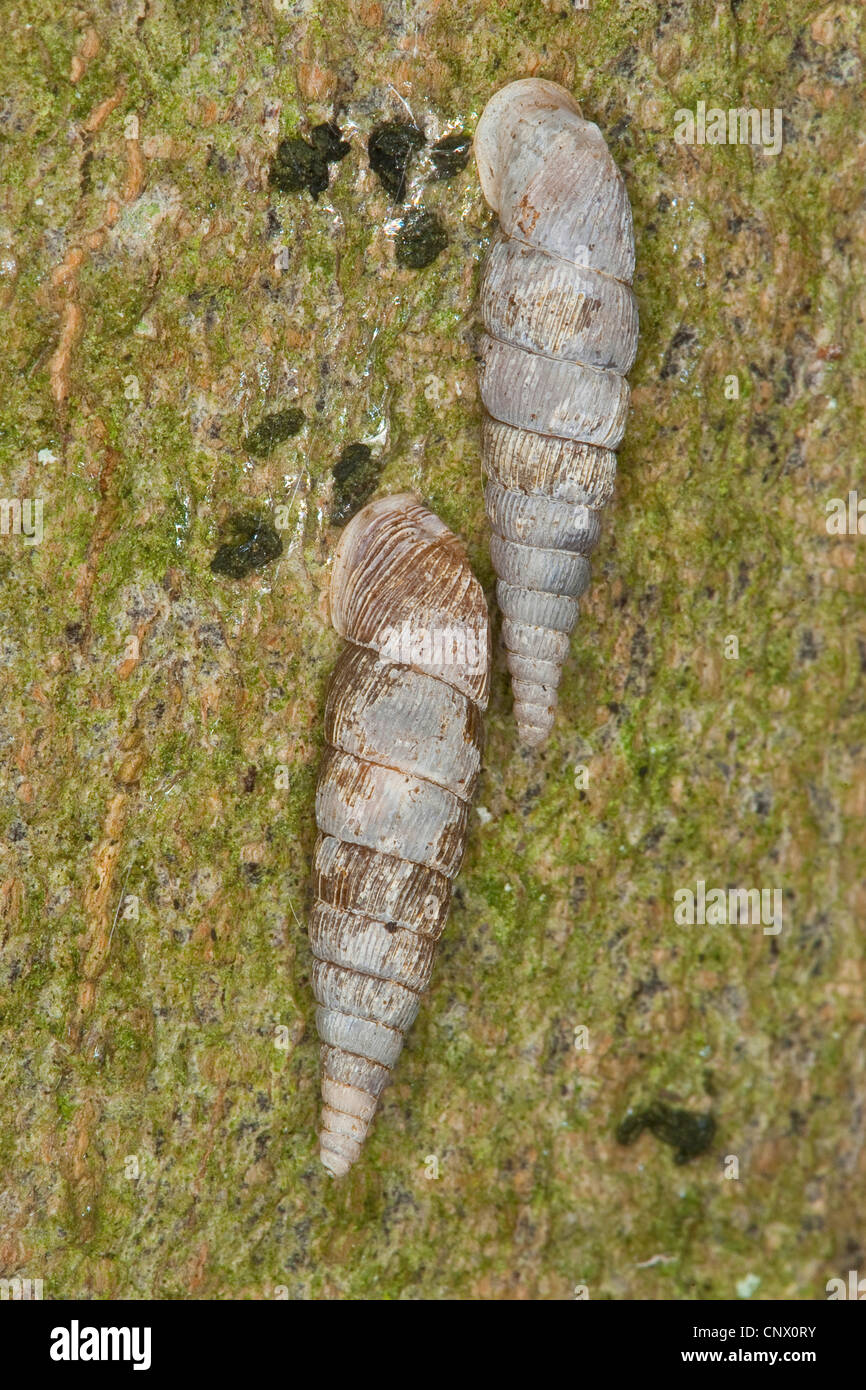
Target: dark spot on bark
(617,131)
(300,163)
(355,475)
(649,987)
(578,891)
(252,544)
(626,63)
(688,1134)
(652,838)
(559,1043)
(451,155)
(249,779)
(218,161)
(391,148)
(328,140)
(273,430)
(420,239)
(678,353)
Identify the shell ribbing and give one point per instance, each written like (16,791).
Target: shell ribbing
(403,728)
(561,333)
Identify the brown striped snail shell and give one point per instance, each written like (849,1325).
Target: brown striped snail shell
(561,333)
(403,734)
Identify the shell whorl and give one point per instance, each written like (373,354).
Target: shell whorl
(403,733)
(561,330)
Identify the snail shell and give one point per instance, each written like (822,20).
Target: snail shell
(561,333)
(403,734)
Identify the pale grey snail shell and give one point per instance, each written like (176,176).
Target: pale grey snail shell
(561,333)
(403,732)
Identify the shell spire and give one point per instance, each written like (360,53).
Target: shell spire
(561,329)
(403,734)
